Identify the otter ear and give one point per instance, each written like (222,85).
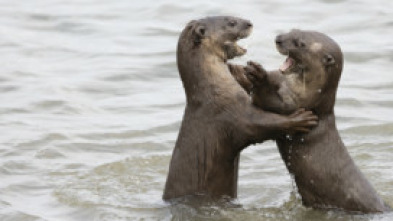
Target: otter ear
(200,30)
(199,33)
(328,59)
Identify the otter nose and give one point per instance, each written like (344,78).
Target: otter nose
(248,24)
(279,39)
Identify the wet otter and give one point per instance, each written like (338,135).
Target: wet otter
(324,172)
(219,119)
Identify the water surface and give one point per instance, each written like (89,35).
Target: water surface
(91,104)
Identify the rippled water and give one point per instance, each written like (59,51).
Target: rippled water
(91,104)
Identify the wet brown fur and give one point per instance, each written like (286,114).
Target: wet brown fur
(325,174)
(219,119)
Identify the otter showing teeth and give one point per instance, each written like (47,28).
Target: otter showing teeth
(324,172)
(289,62)
(219,119)
(234,50)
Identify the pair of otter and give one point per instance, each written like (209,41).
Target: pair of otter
(220,119)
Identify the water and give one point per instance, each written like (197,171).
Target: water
(91,103)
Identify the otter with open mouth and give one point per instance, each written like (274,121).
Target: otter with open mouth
(219,119)
(324,172)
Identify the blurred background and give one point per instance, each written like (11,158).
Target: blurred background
(91,104)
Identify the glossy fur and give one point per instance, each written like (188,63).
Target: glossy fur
(219,119)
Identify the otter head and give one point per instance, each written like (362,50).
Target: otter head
(217,35)
(315,63)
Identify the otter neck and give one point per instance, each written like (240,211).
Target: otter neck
(204,74)
(293,149)
(325,105)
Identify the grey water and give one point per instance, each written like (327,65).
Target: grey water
(91,103)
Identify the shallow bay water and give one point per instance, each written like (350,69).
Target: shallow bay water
(91,104)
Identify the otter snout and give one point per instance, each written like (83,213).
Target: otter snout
(245,28)
(279,40)
(248,24)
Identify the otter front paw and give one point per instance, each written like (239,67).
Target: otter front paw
(302,121)
(255,73)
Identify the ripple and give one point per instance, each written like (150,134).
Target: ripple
(92,103)
(8,88)
(352,102)
(49,154)
(137,177)
(361,57)
(18,216)
(43,141)
(20,167)
(154,31)
(382,129)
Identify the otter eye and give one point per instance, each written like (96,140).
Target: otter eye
(232,23)
(298,43)
(295,42)
(328,59)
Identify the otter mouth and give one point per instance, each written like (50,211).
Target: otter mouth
(291,64)
(233,49)
(288,64)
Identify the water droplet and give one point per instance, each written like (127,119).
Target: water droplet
(319,90)
(289,155)
(294,188)
(302,139)
(312,181)
(289,137)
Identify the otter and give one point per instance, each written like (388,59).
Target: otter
(324,172)
(219,120)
